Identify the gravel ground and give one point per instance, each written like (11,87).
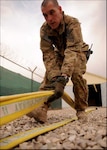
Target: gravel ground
(74,135)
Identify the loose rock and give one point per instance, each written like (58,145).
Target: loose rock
(74,135)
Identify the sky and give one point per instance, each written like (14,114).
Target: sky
(20,33)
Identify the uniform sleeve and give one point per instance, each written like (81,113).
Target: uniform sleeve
(74,43)
(49,58)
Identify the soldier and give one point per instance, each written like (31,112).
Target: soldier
(64,56)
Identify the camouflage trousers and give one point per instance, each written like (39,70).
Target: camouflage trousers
(80,88)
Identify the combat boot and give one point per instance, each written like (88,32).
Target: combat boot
(40,114)
(82,115)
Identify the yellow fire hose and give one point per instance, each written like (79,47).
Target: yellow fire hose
(16,139)
(15,106)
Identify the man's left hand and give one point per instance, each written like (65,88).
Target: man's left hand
(59,86)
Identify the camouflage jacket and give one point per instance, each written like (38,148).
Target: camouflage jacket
(59,47)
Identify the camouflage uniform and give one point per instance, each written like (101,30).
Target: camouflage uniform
(64,53)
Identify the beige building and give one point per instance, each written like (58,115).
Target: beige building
(97,90)
(92,79)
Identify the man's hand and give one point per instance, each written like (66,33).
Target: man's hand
(58,85)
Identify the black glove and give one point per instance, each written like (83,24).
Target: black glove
(51,84)
(58,86)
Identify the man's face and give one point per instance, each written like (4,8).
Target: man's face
(52,15)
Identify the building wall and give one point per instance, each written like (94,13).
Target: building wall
(104,94)
(69,91)
(103,99)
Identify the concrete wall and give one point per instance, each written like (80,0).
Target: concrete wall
(104,94)
(69,91)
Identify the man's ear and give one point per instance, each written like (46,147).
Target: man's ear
(60,8)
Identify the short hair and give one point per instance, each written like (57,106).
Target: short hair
(45,2)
